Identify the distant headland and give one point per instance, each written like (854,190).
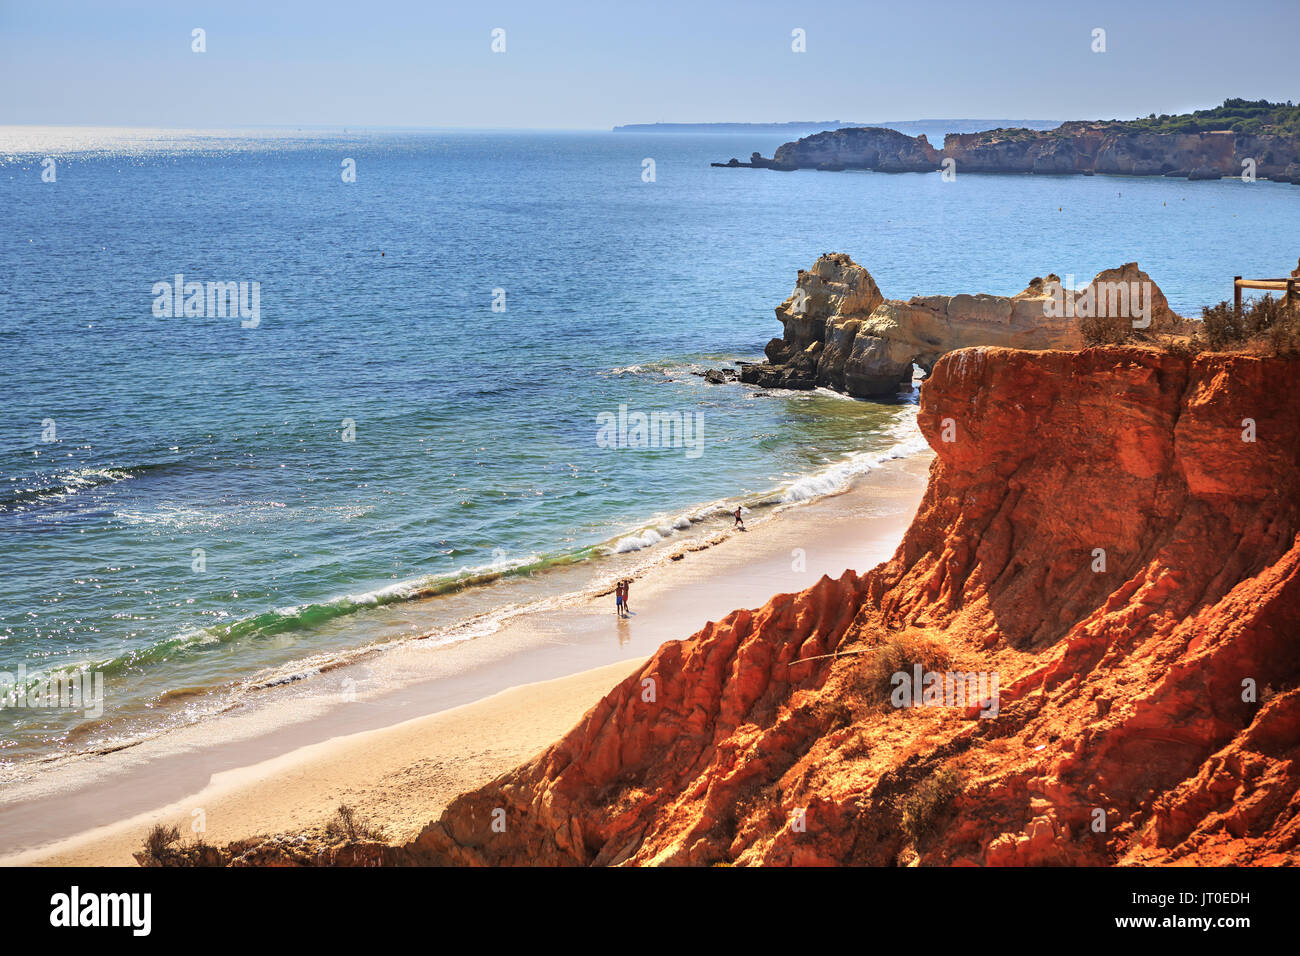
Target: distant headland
(1247,138)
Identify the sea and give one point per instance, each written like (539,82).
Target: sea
(447,375)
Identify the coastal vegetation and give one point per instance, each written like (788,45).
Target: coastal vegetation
(1249,117)
(1239,115)
(898,654)
(1264,326)
(347,824)
(921,808)
(158,845)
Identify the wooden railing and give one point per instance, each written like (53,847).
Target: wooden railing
(1290,286)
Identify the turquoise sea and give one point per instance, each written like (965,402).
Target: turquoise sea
(193,505)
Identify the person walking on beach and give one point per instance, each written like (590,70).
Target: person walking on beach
(618,599)
(740,523)
(627,587)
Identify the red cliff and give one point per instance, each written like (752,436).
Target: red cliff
(1099,534)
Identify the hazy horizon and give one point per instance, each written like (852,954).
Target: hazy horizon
(586,67)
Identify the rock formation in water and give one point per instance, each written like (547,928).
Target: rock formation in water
(841,333)
(867,147)
(1113,534)
(1098,534)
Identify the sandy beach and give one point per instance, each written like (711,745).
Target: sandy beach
(398,734)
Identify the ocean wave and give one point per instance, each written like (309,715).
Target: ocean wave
(907,441)
(647,538)
(61,485)
(312,615)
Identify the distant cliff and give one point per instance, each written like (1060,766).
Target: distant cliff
(1259,139)
(1105,148)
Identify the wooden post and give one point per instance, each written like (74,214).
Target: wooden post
(1236,294)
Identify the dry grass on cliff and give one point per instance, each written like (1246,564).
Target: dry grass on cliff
(348,825)
(163,847)
(1118,329)
(872,681)
(159,844)
(923,805)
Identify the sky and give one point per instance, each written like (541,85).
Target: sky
(580,65)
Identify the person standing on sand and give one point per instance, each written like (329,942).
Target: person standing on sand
(618,599)
(740,523)
(627,587)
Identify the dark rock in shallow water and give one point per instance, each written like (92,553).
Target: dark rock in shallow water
(778,376)
(719,376)
(1204,172)
(799,372)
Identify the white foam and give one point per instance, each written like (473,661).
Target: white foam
(635,542)
(908,440)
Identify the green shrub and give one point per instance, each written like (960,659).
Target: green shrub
(1220,325)
(1264,325)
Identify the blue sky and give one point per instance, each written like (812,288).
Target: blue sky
(574,65)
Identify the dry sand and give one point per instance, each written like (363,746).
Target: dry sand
(397,777)
(479,708)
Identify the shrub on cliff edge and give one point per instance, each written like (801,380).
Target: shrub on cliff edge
(159,845)
(1119,330)
(347,824)
(1264,325)
(1106,330)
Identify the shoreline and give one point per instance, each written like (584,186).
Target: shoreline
(534,677)
(354,624)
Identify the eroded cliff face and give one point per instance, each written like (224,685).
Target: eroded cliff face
(1098,534)
(841,333)
(1094,148)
